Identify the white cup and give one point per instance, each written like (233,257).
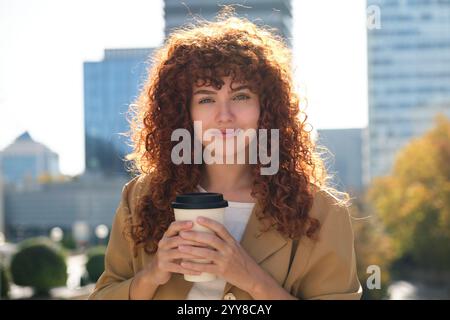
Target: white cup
(188,207)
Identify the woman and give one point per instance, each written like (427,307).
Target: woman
(285,235)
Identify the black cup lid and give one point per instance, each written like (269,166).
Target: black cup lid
(199,200)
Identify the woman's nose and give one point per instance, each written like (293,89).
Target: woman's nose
(224,112)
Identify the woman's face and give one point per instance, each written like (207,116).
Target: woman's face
(236,109)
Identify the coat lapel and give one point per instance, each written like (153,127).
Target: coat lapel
(180,287)
(259,245)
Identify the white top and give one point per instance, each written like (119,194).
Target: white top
(236,218)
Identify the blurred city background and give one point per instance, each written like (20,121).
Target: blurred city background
(376,74)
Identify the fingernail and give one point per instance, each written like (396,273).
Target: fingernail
(200,219)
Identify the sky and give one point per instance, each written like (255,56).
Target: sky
(44,43)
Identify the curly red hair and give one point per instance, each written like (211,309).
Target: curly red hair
(208,51)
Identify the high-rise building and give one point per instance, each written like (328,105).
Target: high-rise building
(110,86)
(344,157)
(25,160)
(409,76)
(273,13)
(2,209)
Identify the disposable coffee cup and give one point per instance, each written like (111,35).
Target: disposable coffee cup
(187,207)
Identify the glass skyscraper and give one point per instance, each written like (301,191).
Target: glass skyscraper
(344,156)
(273,13)
(26,160)
(409,76)
(110,86)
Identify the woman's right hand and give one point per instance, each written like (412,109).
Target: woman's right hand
(164,262)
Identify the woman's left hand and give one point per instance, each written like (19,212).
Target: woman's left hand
(229,260)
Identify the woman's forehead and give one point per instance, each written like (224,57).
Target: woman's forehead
(227,81)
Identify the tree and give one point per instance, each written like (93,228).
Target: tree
(413,202)
(373,247)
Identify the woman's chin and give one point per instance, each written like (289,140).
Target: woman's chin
(228,155)
(231,157)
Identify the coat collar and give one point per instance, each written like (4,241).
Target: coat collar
(259,245)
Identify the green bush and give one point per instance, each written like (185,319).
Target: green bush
(40,240)
(40,264)
(95,262)
(68,241)
(4,282)
(84,280)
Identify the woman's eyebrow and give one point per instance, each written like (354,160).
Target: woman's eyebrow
(203,91)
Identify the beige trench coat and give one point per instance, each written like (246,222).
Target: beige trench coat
(325,269)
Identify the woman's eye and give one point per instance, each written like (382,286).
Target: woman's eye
(204,100)
(242,97)
(239,97)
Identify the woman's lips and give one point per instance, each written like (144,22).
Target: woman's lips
(230,133)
